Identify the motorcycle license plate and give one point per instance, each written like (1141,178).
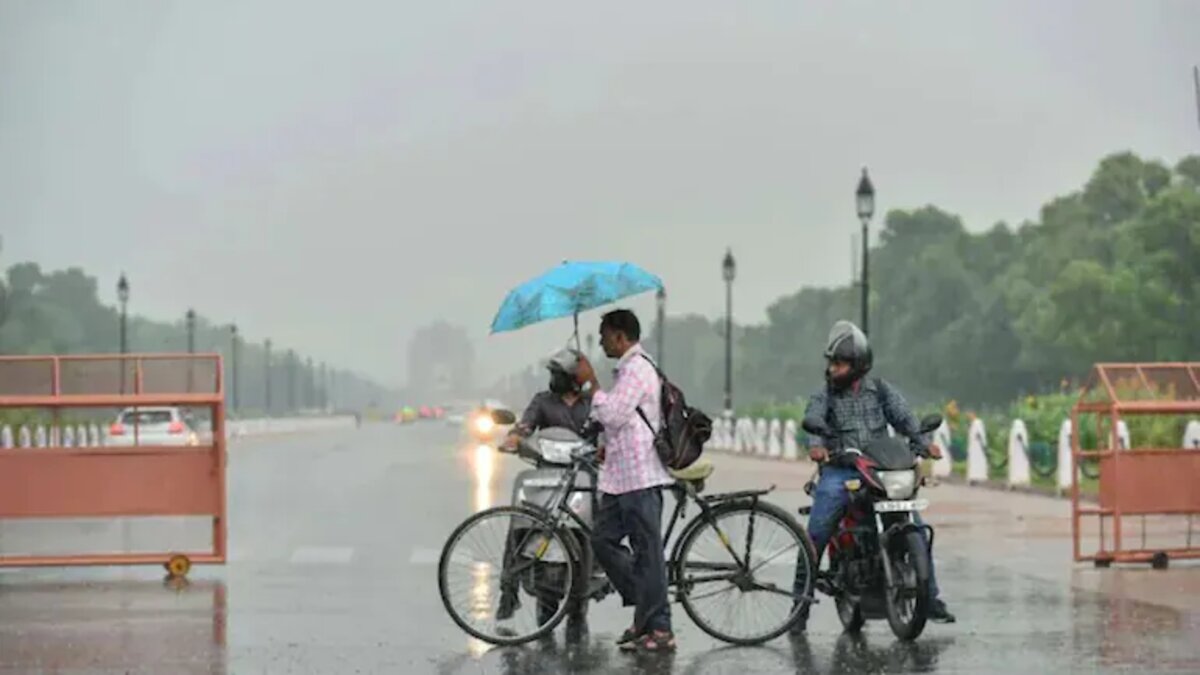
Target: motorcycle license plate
(910,505)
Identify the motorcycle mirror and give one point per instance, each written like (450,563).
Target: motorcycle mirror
(817,428)
(500,416)
(930,423)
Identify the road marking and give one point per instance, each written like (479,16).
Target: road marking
(322,555)
(424,556)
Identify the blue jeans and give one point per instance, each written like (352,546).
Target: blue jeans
(830,500)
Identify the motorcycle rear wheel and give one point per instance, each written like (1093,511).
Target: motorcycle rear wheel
(850,615)
(908,603)
(849,612)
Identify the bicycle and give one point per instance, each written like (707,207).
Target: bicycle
(768,580)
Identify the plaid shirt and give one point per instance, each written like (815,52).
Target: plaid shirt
(861,414)
(630,461)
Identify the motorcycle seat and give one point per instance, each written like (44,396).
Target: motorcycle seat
(698,471)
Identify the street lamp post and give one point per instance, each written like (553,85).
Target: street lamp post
(865,202)
(233,366)
(660,328)
(291,380)
(310,384)
(123,298)
(190,319)
(324,387)
(729,272)
(267,378)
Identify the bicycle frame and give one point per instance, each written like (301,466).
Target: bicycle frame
(556,511)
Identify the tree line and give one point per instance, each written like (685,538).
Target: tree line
(60,312)
(1109,272)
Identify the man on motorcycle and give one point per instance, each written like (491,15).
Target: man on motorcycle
(562,405)
(859,409)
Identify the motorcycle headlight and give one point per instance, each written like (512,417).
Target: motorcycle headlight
(552,451)
(898,484)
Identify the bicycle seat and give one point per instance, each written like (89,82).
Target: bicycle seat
(698,471)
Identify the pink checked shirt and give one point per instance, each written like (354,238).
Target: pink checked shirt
(630,462)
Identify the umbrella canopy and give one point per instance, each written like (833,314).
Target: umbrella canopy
(569,289)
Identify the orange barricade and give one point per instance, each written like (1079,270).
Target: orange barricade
(108,481)
(1159,481)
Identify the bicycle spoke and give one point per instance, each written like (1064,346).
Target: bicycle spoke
(742,602)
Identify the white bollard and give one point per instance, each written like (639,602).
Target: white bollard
(746,436)
(728,438)
(24,438)
(977,464)
(891,431)
(774,438)
(714,441)
(741,435)
(1064,456)
(95,440)
(1191,435)
(6,437)
(68,437)
(39,436)
(1018,455)
(791,450)
(945,466)
(81,436)
(1123,435)
(760,436)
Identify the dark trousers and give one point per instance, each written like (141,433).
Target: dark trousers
(640,577)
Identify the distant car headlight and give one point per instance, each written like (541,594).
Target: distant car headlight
(898,484)
(484,424)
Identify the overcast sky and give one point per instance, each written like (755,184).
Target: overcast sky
(335,175)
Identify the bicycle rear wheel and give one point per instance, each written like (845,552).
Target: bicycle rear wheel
(737,572)
(506,551)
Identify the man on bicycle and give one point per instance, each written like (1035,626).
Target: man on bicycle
(859,410)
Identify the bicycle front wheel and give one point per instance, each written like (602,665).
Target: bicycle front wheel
(745,573)
(504,575)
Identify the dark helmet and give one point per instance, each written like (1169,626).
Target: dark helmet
(848,344)
(564,369)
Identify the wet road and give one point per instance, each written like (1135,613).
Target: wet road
(334,539)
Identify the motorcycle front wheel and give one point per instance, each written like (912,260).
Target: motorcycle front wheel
(908,602)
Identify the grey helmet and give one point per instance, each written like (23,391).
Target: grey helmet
(564,370)
(848,344)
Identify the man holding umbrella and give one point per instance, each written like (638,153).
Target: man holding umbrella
(630,483)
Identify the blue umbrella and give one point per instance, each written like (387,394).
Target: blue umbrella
(569,289)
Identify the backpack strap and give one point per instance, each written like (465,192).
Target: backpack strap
(661,379)
(646,420)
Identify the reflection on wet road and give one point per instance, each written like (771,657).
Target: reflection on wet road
(334,544)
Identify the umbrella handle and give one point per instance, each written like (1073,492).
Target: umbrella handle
(578,347)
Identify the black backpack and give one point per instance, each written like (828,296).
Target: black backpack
(684,431)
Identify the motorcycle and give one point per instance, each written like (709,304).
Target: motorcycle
(549,450)
(879,562)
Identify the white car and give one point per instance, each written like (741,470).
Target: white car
(152,426)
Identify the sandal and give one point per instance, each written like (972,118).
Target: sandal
(654,641)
